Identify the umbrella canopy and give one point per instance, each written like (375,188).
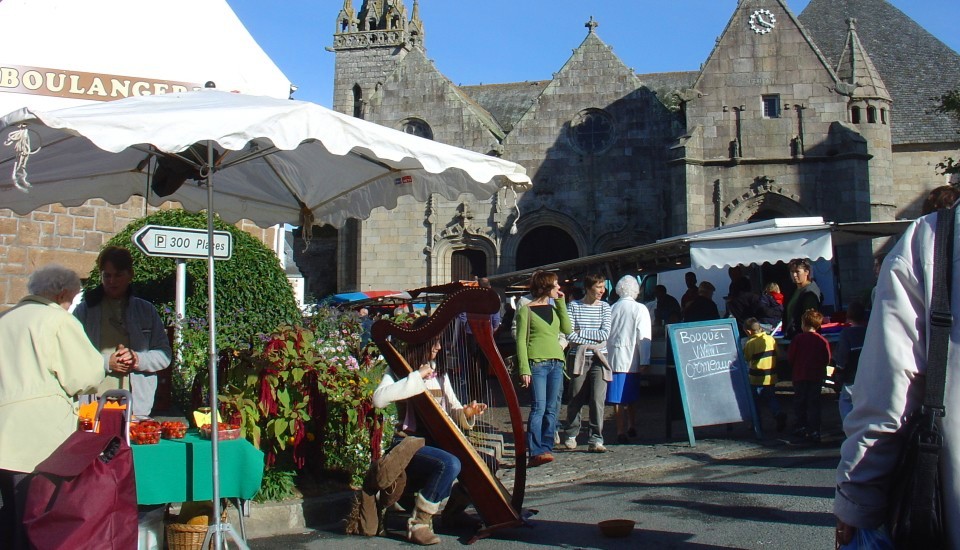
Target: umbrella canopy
(277,160)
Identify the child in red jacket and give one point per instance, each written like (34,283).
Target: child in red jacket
(809,355)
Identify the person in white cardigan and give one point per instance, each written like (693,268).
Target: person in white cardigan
(890,385)
(628,352)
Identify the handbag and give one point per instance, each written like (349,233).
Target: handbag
(915,514)
(84,495)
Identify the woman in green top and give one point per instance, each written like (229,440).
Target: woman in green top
(539,326)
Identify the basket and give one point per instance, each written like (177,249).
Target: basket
(181,536)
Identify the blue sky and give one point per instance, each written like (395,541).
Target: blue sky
(492,41)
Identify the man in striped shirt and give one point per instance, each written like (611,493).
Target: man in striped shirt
(587,364)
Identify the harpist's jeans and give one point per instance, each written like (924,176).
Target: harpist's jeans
(546,383)
(432,472)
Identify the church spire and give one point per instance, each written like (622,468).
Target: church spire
(857,70)
(415,29)
(347,18)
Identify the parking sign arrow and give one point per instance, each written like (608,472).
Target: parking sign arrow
(182,242)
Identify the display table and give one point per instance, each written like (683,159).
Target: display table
(178,470)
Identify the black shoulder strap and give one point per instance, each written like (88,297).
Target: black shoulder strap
(941,319)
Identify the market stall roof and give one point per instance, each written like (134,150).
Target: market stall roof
(60,53)
(780,239)
(369,296)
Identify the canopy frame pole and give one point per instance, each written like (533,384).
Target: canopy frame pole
(216,529)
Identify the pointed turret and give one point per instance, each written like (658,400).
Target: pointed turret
(415,28)
(857,69)
(347,18)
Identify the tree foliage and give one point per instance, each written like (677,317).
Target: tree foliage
(950,105)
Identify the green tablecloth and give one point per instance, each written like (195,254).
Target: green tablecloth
(179,470)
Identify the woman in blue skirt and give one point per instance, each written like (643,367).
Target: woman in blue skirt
(628,351)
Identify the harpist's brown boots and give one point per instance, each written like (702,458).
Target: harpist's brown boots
(420,524)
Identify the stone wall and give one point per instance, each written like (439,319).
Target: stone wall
(70,236)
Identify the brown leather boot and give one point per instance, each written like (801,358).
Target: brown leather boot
(420,524)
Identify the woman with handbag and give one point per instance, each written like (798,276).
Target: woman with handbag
(907,352)
(541,361)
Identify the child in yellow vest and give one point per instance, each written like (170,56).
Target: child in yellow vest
(760,351)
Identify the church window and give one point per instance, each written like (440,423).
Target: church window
(771,106)
(417,127)
(357,101)
(883,116)
(855,115)
(592,132)
(872,115)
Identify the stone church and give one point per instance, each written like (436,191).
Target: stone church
(827,113)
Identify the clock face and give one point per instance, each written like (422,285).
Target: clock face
(762,21)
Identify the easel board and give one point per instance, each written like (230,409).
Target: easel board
(712,374)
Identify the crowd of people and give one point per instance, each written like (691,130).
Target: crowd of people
(584,348)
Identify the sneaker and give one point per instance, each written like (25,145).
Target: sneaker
(781,422)
(570,443)
(556,439)
(597,448)
(540,460)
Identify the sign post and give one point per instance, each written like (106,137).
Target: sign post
(182,242)
(713,377)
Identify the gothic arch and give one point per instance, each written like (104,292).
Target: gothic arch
(761,203)
(446,246)
(532,221)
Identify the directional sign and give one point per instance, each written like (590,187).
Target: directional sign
(182,242)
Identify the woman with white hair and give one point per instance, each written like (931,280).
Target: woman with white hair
(47,360)
(628,351)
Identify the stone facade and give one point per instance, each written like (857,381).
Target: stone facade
(70,236)
(770,126)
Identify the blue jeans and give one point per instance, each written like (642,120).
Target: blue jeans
(546,383)
(845,403)
(432,472)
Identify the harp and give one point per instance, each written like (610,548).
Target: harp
(482,454)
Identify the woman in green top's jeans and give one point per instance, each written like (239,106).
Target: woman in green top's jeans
(539,325)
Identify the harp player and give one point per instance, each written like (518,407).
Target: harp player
(432,470)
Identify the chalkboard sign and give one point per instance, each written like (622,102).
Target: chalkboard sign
(713,377)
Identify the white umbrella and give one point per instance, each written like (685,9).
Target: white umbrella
(286,158)
(274,161)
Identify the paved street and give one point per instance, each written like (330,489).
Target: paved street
(730,491)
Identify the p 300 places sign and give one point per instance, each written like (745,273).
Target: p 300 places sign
(182,242)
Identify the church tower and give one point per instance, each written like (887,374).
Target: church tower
(869,111)
(369,44)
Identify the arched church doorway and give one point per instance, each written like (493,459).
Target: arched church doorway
(545,245)
(467,264)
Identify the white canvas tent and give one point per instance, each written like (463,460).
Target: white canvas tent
(780,239)
(60,53)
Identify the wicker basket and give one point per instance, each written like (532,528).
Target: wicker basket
(181,536)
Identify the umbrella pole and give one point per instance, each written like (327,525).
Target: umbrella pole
(217,529)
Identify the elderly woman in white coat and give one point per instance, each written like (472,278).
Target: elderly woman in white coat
(628,351)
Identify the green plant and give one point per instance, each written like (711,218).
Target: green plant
(304,387)
(277,484)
